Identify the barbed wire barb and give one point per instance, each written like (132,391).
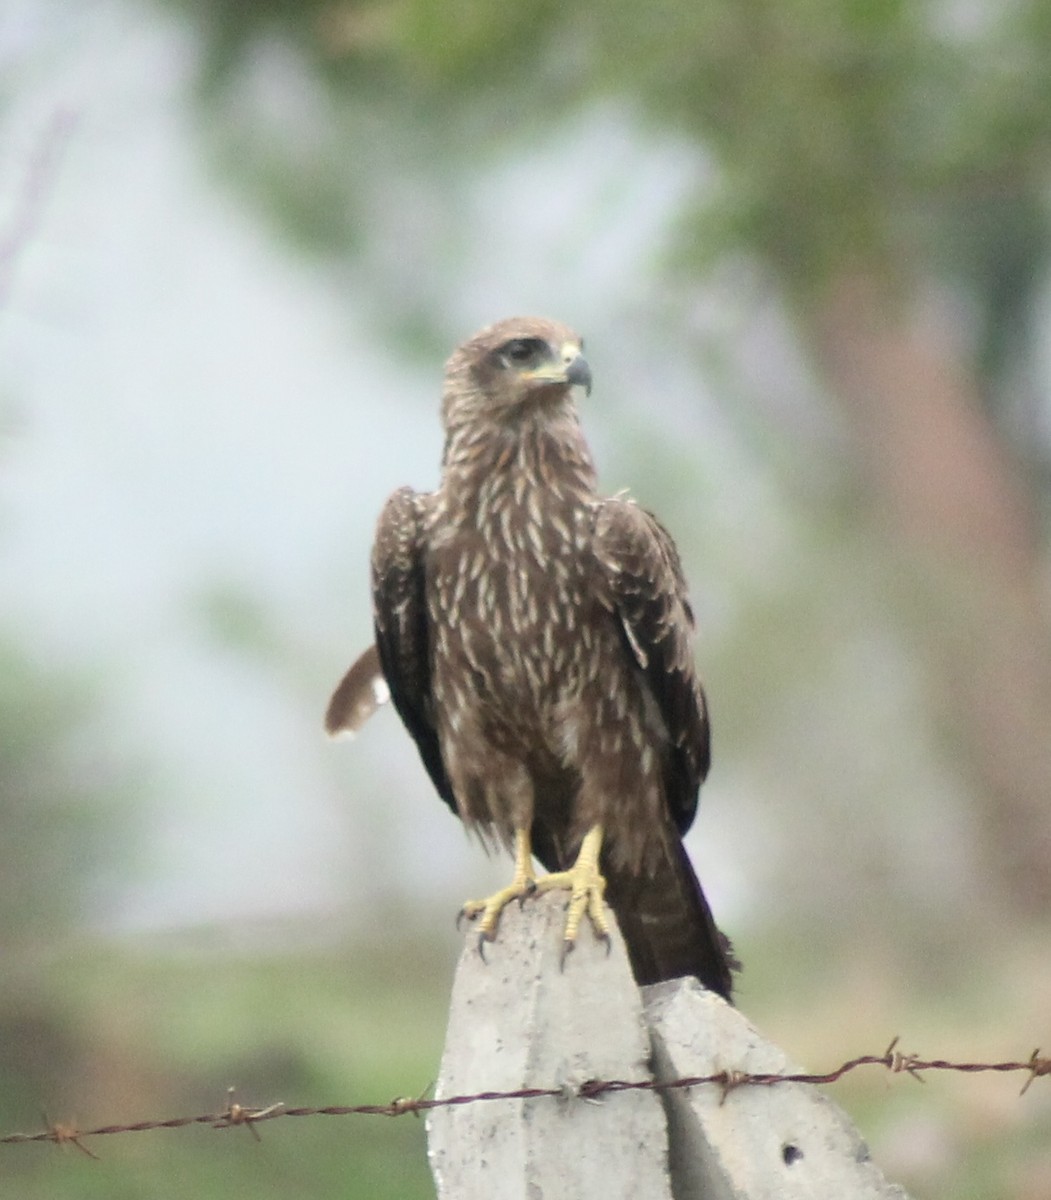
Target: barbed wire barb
(66,1135)
(1037,1066)
(897,1062)
(238,1114)
(402,1104)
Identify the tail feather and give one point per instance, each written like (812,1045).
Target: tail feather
(667,924)
(360,692)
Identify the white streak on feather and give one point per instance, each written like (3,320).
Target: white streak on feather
(536,540)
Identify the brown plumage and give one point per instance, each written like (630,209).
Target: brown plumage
(361,691)
(538,645)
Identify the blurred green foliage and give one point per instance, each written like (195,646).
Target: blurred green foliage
(67,829)
(842,132)
(908,141)
(64,817)
(164,1031)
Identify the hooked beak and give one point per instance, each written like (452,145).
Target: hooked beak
(571,369)
(578,373)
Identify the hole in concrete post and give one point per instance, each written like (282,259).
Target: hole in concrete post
(790,1153)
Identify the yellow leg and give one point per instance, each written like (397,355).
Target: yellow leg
(522,884)
(587,888)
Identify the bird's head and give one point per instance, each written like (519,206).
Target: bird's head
(518,365)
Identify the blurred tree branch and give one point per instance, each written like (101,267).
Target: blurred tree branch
(954,502)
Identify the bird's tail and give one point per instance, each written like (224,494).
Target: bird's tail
(667,924)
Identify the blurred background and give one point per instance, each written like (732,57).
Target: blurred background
(808,243)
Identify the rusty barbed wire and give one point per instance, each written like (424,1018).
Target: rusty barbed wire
(234,1113)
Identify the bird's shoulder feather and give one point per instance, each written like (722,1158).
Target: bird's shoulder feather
(641,581)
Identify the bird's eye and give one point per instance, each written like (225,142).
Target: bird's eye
(522,351)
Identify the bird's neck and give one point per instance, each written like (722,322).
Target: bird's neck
(535,452)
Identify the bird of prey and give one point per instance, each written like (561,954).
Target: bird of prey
(537,642)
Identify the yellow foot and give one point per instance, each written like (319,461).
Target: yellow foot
(587,888)
(488,911)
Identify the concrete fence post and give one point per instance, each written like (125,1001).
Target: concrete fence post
(518,1020)
(786,1142)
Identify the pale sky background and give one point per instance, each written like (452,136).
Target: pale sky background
(188,405)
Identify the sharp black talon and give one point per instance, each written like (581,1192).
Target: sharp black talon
(604,937)
(481,948)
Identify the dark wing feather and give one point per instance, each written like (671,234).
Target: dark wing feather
(667,924)
(644,587)
(402,629)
